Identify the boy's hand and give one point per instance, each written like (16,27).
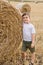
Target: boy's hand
(32,45)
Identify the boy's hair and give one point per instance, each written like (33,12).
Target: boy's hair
(26,13)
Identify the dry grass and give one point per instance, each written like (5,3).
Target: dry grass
(26,8)
(10,33)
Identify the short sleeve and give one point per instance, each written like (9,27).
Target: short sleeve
(33,30)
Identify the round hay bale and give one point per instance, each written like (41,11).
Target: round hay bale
(10,31)
(26,8)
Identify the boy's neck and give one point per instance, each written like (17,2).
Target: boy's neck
(27,22)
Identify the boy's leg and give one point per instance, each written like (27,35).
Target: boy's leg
(33,57)
(32,50)
(24,51)
(24,55)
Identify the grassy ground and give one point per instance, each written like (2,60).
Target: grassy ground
(37,20)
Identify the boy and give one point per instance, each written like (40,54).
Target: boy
(28,37)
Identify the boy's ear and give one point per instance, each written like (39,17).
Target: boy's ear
(25,8)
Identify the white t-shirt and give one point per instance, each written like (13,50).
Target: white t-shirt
(28,30)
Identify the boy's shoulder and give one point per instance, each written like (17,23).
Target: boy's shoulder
(31,25)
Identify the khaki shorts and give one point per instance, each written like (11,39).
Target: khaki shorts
(27,45)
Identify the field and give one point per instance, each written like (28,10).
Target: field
(11,54)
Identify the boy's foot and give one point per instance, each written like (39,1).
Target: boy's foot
(31,64)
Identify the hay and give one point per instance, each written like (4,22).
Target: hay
(10,32)
(26,8)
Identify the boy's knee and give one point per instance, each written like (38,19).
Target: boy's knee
(33,53)
(24,54)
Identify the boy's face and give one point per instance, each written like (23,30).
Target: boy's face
(26,19)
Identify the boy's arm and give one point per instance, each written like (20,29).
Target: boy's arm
(33,31)
(33,40)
